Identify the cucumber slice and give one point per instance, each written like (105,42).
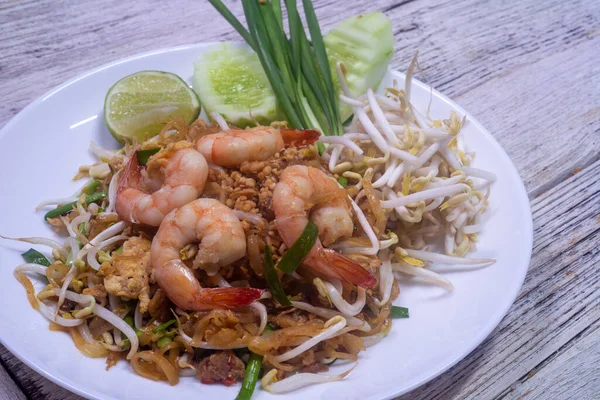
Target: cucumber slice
(365,44)
(230,81)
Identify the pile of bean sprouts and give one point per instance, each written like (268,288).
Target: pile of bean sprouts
(418,169)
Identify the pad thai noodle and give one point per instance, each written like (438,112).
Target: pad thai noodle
(219,252)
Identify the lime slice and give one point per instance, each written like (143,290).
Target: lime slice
(138,105)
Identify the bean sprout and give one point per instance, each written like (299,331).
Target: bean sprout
(332,326)
(219,120)
(298,380)
(426,274)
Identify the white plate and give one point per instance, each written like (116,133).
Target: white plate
(46,142)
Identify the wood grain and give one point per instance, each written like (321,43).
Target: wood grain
(528,70)
(8,389)
(565,369)
(559,300)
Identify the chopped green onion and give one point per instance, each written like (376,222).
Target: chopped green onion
(119,250)
(251,377)
(399,312)
(128,320)
(91,187)
(343,181)
(81,228)
(299,249)
(163,341)
(144,155)
(67,208)
(34,256)
(125,344)
(273,280)
(164,326)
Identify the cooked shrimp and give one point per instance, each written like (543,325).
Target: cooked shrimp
(299,189)
(234,146)
(184,177)
(222,241)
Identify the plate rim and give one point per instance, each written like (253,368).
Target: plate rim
(521,194)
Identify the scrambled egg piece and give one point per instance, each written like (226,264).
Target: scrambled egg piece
(129,273)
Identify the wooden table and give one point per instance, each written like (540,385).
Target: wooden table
(529,70)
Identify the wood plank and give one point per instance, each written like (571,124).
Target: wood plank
(559,300)
(525,109)
(573,372)
(33,384)
(8,388)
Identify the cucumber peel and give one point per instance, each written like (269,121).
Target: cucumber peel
(365,44)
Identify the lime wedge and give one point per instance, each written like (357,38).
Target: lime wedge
(139,104)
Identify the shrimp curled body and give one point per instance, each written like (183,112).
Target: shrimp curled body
(184,177)
(301,188)
(221,241)
(232,147)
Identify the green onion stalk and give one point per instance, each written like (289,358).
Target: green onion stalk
(297,68)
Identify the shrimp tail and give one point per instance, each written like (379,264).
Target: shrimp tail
(335,265)
(229,297)
(130,178)
(299,137)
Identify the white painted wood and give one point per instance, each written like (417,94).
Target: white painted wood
(8,389)
(565,369)
(528,70)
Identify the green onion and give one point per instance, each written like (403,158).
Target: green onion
(343,181)
(399,312)
(128,320)
(273,280)
(144,155)
(163,341)
(119,250)
(320,148)
(164,326)
(81,228)
(251,377)
(299,249)
(91,187)
(278,13)
(233,21)
(125,344)
(297,69)
(34,256)
(321,55)
(67,208)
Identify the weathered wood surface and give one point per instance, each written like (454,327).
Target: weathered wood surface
(8,388)
(528,70)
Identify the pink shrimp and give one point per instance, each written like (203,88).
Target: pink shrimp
(300,187)
(234,146)
(184,177)
(222,241)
